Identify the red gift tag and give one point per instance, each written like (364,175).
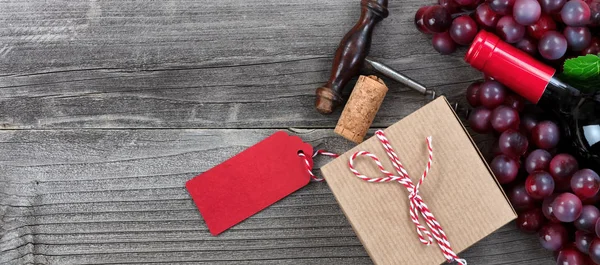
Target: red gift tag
(250,181)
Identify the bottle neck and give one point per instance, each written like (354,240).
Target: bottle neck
(558,95)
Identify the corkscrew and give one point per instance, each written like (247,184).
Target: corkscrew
(351,57)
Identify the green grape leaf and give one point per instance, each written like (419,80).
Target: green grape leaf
(583,67)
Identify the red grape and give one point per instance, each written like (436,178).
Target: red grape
(563,166)
(479,120)
(537,160)
(585,183)
(504,118)
(597,228)
(547,209)
(570,256)
(545,135)
(419,20)
(492,94)
(502,7)
(553,236)
(515,101)
(543,25)
(450,5)
(576,13)
(519,198)
(486,17)
(553,45)
(530,221)
(473,94)
(527,12)
(539,185)
(513,144)
(443,43)
(578,38)
(583,241)
(463,30)
(510,30)
(529,46)
(552,6)
(593,48)
(567,207)
(595,13)
(594,250)
(437,19)
(528,122)
(587,221)
(505,169)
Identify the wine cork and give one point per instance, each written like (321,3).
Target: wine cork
(362,106)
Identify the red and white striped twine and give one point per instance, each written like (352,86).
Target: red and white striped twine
(417,206)
(309,168)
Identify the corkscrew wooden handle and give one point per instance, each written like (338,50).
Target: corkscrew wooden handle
(350,55)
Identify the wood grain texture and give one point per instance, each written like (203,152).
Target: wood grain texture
(117,196)
(197,64)
(108,107)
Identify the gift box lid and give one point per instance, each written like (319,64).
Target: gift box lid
(460,189)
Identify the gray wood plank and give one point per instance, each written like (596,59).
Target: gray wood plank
(197,64)
(72,196)
(118,197)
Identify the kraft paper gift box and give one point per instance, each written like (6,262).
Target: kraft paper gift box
(460,189)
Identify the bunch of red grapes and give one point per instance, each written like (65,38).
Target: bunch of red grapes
(550,29)
(551,194)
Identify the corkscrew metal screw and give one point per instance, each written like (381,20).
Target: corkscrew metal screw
(398,77)
(403,79)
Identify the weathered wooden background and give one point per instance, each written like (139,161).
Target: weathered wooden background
(108,107)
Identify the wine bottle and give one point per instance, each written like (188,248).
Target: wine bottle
(578,113)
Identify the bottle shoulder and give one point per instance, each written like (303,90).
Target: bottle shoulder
(585,127)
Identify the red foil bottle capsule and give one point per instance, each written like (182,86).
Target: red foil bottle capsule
(578,114)
(510,66)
